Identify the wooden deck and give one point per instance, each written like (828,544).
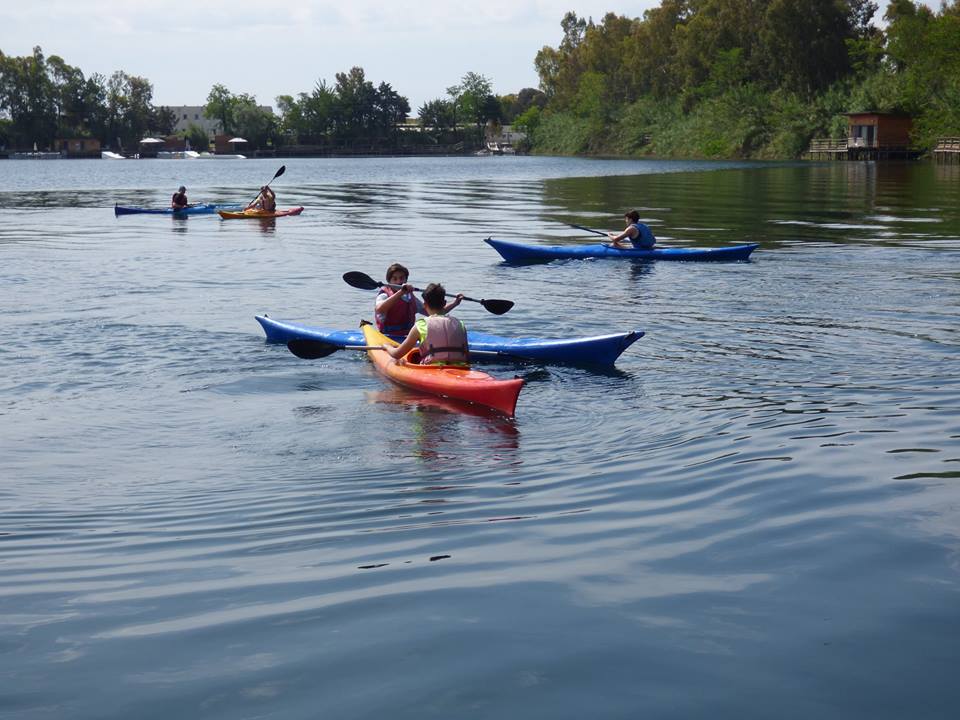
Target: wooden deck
(853,149)
(947,150)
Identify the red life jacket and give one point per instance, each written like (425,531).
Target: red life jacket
(445,341)
(399,318)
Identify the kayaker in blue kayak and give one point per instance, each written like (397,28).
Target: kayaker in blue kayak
(266,200)
(441,337)
(636,232)
(179,199)
(396,309)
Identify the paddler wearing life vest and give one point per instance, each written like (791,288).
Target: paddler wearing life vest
(396,308)
(441,337)
(639,235)
(266,200)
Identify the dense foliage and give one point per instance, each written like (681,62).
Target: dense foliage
(751,78)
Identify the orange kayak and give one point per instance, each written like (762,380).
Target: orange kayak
(258,214)
(458,383)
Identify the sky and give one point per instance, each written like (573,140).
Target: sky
(284,47)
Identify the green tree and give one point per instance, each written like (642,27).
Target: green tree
(221,104)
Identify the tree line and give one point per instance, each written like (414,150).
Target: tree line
(747,78)
(43,99)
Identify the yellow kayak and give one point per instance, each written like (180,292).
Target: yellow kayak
(258,214)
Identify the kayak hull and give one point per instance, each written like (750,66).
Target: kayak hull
(257,214)
(600,350)
(206,209)
(458,383)
(519,253)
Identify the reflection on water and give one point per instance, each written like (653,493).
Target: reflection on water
(438,425)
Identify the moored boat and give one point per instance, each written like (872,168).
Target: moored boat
(519,253)
(597,351)
(258,214)
(458,383)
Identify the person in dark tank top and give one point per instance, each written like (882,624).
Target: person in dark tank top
(179,199)
(639,235)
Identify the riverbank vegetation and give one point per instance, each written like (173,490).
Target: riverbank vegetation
(744,78)
(691,78)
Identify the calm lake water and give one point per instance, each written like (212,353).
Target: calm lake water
(755,515)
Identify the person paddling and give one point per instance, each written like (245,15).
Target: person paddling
(396,309)
(266,200)
(441,337)
(639,235)
(179,199)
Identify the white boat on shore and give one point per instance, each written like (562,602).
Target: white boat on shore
(109,155)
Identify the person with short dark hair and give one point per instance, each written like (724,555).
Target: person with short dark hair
(442,338)
(639,235)
(396,308)
(179,199)
(266,200)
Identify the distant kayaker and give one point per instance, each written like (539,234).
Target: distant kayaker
(442,338)
(179,199)
(396,309)
(266,200)
(636,232)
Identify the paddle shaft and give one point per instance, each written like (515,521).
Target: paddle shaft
(590,230)
(416,289)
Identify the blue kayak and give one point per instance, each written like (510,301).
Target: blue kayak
(602,350)
(204,209)
(519,253)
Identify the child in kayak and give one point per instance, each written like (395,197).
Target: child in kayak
(266,200)
(636,232)
(396,309)
(442,338)
(179,199)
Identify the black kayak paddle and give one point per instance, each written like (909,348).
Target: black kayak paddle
(360,280)
(310,349)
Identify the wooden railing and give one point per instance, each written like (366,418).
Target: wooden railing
(947,145)
(827,145)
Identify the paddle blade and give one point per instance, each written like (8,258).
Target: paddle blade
(311,349)
(497,307)
(360,280)
(281,171)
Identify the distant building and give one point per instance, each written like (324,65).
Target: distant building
(878,130)
(78,147)
(870,136)
(188,115)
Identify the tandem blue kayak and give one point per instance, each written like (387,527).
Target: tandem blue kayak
(600,350)
(519,253)
(204,209)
